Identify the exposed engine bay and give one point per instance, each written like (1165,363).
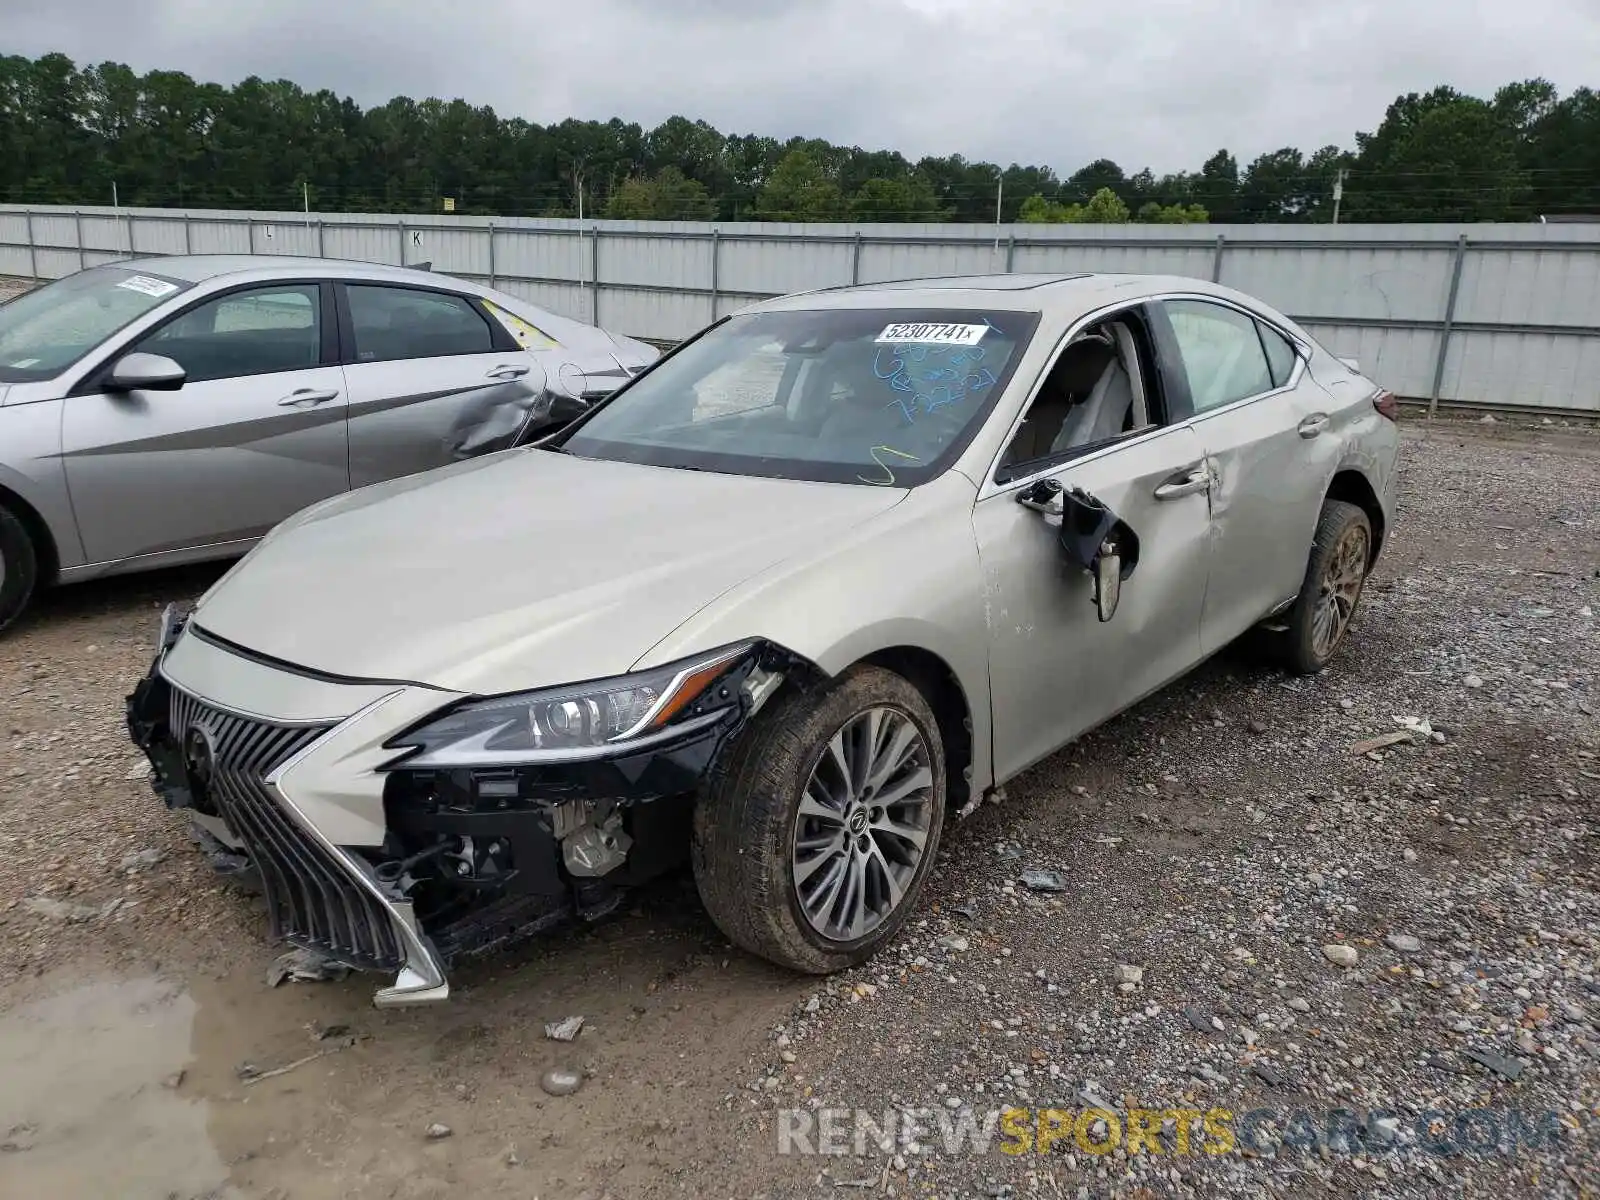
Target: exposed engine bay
(474,858)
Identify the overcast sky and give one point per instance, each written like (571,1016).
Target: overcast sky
(1161,83)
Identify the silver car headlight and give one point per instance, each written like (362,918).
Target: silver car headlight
(587,720)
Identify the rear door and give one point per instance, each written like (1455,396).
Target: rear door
(432,379)
(1260,432)
(256,433)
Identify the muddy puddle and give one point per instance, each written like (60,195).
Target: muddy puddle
(197,1081)
(92,1102)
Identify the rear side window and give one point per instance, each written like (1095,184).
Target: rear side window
(1280,354)
(1222,353)
(255,332)
(391,323)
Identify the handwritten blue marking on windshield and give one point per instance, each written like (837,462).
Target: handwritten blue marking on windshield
(934,376)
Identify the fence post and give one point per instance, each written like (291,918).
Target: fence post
(187,249)
(1011,249)
(492,282)
(77,226)
(130,235)
(402,228)
(1449,321)
(33,253)
(1216,259)
(594,278)
(321,244)
(855,261)
(716,270)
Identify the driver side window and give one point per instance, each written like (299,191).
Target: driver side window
(1093,393)
(253,332)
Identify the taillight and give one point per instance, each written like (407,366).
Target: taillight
(1387,405)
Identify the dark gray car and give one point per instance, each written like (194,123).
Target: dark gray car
(170,410)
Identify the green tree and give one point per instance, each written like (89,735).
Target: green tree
(668,196)
(906,199)
(798,190)
(69,133)
(1105,207)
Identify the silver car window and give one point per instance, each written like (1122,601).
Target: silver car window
(1222,353)
(45,331)
(253,332)
(391,323)
(874,396)
(1280,354)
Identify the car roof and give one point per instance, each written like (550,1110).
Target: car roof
(1057,295)
(202,268)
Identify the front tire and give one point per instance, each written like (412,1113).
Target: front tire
(19,567)
(816,834)
(1336,572)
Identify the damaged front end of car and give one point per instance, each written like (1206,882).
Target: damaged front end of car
(501,817)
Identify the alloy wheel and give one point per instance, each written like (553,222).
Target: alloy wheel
(1338,590)
(862,827)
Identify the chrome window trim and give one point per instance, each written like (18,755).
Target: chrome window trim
(1131,438)
(990,487)
(1302,353)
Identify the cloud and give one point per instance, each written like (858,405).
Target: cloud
(1161,83)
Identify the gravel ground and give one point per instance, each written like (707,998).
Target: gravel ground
(1258,917)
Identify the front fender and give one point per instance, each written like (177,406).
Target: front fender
(910,577)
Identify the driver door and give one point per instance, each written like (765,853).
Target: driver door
(256,432)
(1055,669)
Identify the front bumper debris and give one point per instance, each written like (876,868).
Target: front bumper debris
(472,860)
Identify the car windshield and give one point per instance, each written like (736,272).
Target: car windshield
(846,395)
(44,331)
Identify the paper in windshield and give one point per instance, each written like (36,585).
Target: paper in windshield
(149,287)
(928,334)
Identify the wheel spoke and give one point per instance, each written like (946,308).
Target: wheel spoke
(883,869)
(827,852)
(914,836)
(816,804)
(854,917)
(837,756)
(819,904)
(902,742)
(901,790)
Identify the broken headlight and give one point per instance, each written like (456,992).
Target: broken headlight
(587,720)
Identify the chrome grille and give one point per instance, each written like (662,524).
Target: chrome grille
(311,898)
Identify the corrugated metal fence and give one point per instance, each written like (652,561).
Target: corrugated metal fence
(1473,314)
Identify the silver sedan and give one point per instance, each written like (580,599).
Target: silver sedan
(169,410)
(823,577)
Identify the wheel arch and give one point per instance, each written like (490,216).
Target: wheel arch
(46,553)
(941,687)
(1353,487)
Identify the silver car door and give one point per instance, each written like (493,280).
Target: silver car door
(433,379)
(256,432)
(1055,669)
(1261,422)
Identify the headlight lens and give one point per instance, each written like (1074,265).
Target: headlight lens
(587,720)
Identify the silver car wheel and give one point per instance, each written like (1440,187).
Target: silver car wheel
(1339,590)
(862,826)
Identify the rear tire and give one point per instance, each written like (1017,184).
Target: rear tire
(1336,572)
(789,814)
(19,567)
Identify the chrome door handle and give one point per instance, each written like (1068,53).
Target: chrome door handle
(1185,483)
(1313,425)
(308,397)
(508,372)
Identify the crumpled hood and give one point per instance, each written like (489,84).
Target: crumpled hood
(516,570)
